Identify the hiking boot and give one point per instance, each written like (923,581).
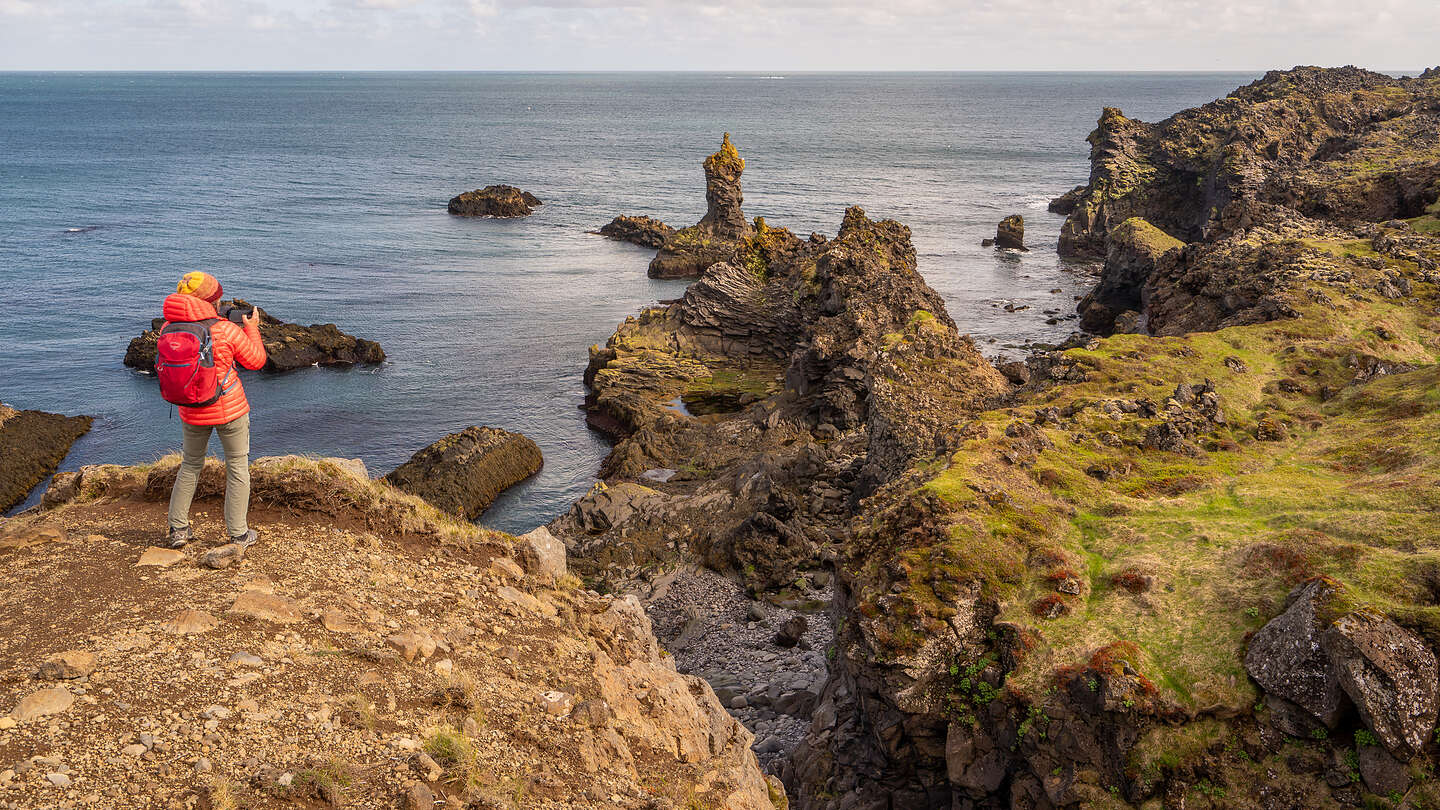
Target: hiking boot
(246,539)
(177,538)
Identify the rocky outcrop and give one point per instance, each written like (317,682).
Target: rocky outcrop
(366,627)
(494,201)
(1134,249)
(464,472)
(1340,144)
(1010,233)
(1065,203)
(288,346)
(1010,615)
(32,445)
(689,251)
(797,363)
(642,231)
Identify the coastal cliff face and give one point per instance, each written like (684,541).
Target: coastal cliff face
(1342,145)
(366,627)
(1189,564)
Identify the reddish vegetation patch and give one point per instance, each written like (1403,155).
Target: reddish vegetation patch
(1264,560)
(1121,659)
(1132,579)
(1051,606)
(1060,575)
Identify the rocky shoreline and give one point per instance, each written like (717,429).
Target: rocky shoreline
(32,445)
(1189,560)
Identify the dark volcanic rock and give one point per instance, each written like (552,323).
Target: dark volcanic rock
(1285,657)
(288,346)
(643,231)
(494,201)
(464,472)
(1306,140)
(688,251)
(1066,202)
(32,445)
(1390,675)
(1135,246)
(1010,233)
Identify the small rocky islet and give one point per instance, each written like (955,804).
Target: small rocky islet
(1186,560)
(288,346)
(499,201)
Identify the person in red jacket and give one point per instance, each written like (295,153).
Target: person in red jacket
(194,300)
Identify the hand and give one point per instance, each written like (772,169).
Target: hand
(253,319)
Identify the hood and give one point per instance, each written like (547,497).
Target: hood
(181,307)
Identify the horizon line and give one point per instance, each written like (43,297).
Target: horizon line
(755,71)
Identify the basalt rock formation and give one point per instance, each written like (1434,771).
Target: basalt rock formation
(464,472)
(288,346)
(642,231)
(1065,203)
(32,445)
(1342,145)
(1010,233)
(368,627)
(788,383)
(1180,567)
(494,201)
(690,250)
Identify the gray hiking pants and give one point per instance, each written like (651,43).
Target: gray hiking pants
(235,441)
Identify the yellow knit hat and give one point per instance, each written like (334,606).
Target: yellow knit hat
(201,285)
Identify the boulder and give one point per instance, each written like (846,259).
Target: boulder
(464,472)
(32,445)
(43,703)
(288,346)
(606,507)
(1286,658)
(1390,675)
(494,201)
(643,231)
(689,251)
(67,666)
(792,631)
(1010,233)
(541,554)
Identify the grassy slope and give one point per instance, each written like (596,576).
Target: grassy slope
(1350,492)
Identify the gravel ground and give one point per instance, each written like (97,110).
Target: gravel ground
(707,624)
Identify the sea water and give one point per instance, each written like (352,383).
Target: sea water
(321,196)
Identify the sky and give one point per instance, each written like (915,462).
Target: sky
(1396,35)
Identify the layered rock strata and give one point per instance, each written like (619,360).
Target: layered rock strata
(464,472)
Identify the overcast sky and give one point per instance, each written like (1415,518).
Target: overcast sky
(736,35)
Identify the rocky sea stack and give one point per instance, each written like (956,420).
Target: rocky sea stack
(690,250)
(32,445)
(464,472)
(494,201)
(288,346)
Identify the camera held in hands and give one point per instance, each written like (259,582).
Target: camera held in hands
(234,311)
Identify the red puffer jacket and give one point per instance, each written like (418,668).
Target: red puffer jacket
(232,344)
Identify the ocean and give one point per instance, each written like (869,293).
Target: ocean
(321,197)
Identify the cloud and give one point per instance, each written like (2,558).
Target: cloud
(711,34)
